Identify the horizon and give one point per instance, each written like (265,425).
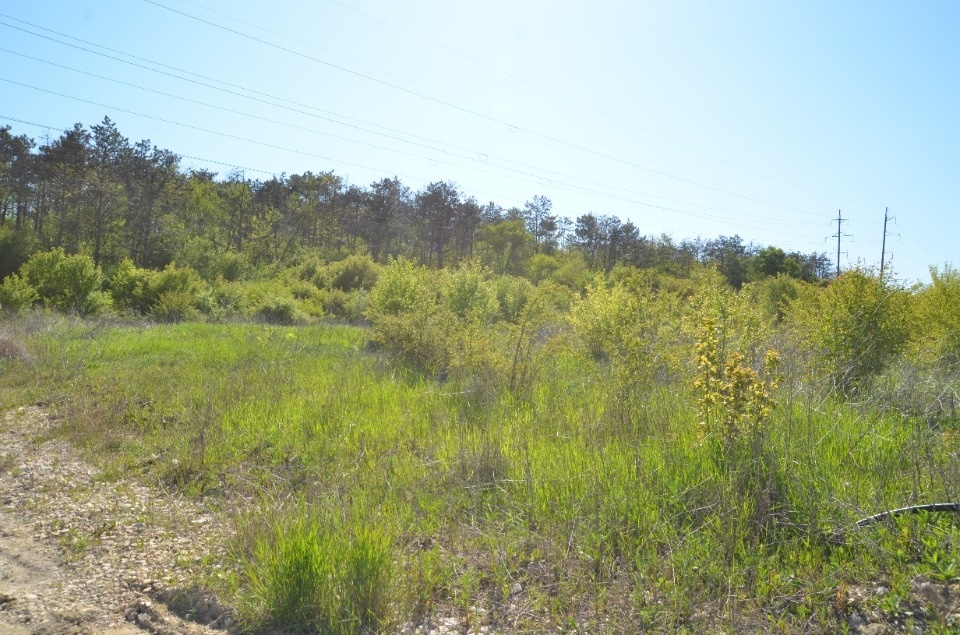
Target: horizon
(690,120)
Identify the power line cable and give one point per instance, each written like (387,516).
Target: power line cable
(183,156)
(351,140)
(326,158)
(660,228)
(513,76)
(464,109)
(312,108)
(567,98)
(247,89)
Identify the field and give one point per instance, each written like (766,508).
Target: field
(368,493)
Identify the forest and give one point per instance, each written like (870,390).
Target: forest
(92,192)
(418,406)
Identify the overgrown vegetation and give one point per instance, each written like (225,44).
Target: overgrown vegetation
(414,407)
(644,452)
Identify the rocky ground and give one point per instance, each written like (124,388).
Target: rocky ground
(81,553)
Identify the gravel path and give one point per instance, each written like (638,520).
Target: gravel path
(84,554)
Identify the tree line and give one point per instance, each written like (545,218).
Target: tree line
(94,192)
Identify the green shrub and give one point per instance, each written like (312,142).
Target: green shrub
(211,262)
(741,326)
(627,325)
(469,294)
(350,274)
(175,294)
(16,296)
(541,266)
(513,294)
(773,295)
(610,320)
(278,310)
(421,337)
(67,283)
(408,317)
(403,287)
(855,326)
(938,314)
(302,290)
(128,286)
(183,280)
(176,306)
(221,300)
(573,272)
(349,306)
(309,268)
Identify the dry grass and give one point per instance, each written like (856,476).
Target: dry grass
(12,348)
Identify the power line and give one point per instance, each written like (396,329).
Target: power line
(661,228)
(283,148)
(883,247)
(232,92)
(351,140)
(838,235)
(513,76)
(463,109)
(559,95)
(482,155)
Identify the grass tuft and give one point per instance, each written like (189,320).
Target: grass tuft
(303,577)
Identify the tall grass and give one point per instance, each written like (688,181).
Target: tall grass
(303,575)
(565,506)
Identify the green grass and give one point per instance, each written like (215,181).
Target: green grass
(567,507)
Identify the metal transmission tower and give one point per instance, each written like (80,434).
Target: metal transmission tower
(838,235)
(883,247)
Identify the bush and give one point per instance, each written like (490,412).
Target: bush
(773,295)
(223,299)
(128,286)
(350,274)
(855,326)
(67,283)
(609,321)
(176,306)
(174,294)
(541,267)
(513,294)
(11,348)
(619,328)
(469,294)
(349,306)
(16,296)
(278,310)
(409,318)
(182,280)
(210,262)
(403,287)
(938,313)
(740,325)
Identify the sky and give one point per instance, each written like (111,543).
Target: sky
(766,120)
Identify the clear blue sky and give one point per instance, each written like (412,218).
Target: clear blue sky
(761,119)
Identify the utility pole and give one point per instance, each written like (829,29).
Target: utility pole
(839,233)
(883,245)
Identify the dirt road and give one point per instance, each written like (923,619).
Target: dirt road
(82,553)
